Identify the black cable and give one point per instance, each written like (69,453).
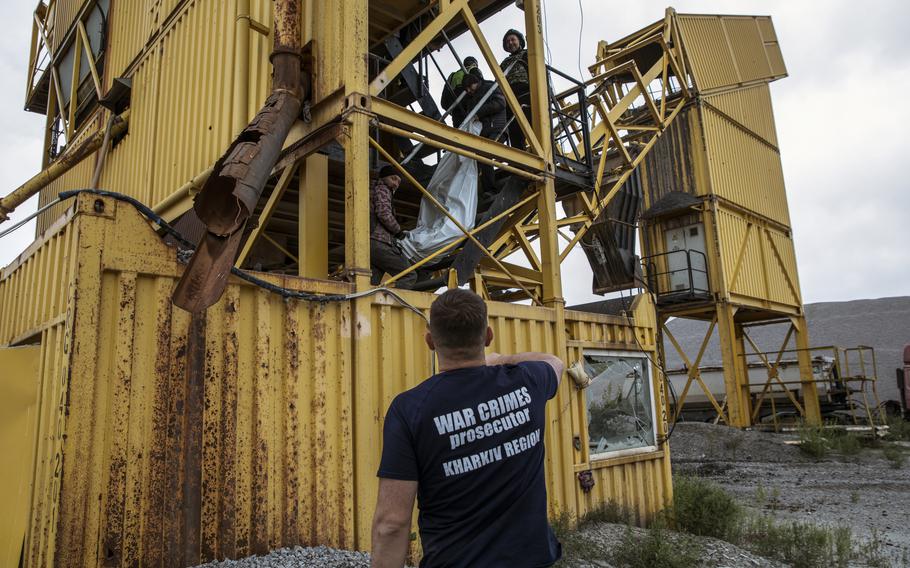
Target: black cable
(650,358)
(286,293)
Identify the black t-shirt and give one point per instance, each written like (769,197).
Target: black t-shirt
(473,440)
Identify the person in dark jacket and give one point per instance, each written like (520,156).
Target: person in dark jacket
(454,87)
(492,115)
(517,64)
(386,255)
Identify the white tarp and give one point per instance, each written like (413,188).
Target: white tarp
(454,185)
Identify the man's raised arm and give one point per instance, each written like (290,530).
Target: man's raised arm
(552,360)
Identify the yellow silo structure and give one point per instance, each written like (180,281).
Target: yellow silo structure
(717,239)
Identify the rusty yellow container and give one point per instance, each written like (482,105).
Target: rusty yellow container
(167,439)
(164,439)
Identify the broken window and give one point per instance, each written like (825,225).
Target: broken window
(619,400)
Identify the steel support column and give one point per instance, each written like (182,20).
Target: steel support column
(735,379)
(313,221)
(549,250)
(812,414)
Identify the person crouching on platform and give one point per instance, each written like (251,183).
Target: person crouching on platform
(386,255)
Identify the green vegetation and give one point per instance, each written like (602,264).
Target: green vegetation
(656,549)
(895,455)
(802,545)
(812,442)
(845,443)
(703,509)
(898,428)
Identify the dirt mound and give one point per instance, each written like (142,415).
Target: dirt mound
(707,443)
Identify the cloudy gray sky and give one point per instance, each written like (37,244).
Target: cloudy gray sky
(841,118)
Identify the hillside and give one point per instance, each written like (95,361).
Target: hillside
(883,324)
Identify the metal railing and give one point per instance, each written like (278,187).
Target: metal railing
(571,131)
(664,284)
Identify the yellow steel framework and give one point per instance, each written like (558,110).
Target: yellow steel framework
(122,350)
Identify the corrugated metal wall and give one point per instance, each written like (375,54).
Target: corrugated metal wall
(640,482)
(725,51)
(33,289)
(65,13)
(182,91)
(743,168)
(672,164)
(263,433)
(77,177)
(751,107)
(759,261)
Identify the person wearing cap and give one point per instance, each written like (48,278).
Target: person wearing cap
(386,255)
(454,87)
(517,64)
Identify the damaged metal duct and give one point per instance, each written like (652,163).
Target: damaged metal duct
(230,194)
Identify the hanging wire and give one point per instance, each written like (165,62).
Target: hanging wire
(581,12)
(546,32)
(286,293)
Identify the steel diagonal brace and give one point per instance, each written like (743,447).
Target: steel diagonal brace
(429,197)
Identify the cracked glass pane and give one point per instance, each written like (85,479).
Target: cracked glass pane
(620,408)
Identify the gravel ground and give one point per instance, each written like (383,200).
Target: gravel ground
(767,475)
(863,491)
(298,557)
(715,553)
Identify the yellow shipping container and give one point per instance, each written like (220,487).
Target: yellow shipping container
(169,439)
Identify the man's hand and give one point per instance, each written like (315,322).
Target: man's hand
(392,522)
(402,235)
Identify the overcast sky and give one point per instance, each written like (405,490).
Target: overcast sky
(841,118)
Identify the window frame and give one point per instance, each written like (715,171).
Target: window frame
(612,454)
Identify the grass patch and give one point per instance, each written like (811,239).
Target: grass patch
(611,512)
(812,442)
(704,509)
(898,428)
(846,443)
(574,545)
(895,455)
(802,545)
(656,549)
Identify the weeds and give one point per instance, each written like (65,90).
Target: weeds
(871,552)
(846,443)
(895,455)
(656,549)
(702,508)
(898,428)
(802,545)
(812,442)
(610,512)
(574,543)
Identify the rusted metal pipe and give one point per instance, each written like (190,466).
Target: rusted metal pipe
(61,165)
(230,194)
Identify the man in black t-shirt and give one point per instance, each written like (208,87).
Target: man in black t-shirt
(468,443)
